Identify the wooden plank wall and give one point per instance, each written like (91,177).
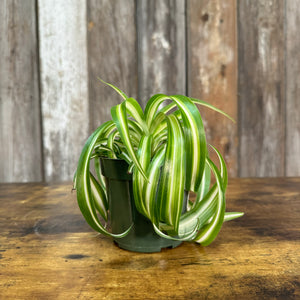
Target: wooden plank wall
(112,55)
(212,70)
(64,92)
(20,124)
(161,48)
(242,56)
(261,88)
(292,145)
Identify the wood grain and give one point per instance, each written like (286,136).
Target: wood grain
(261,88)
(184,47)
(47,251)
(63,62)
(161,48)
(292,88)
(112,55)
(20,130)
(212,70)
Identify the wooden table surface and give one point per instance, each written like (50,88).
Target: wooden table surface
(47,251)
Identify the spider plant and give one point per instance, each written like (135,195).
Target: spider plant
(166,151)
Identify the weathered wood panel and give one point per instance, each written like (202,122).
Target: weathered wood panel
(261,88)
(20,131)
(146,47)
(111,55)
(63,62)
(212,70)
(292,88)
(161,48)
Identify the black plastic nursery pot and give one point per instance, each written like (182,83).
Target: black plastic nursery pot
(123,213)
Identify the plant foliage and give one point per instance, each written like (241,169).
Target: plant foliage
(166,150)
